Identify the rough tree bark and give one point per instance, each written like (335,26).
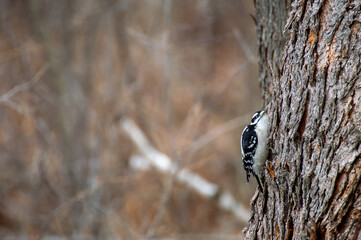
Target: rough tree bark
(313,175)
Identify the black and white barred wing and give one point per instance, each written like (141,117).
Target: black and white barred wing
(248,148)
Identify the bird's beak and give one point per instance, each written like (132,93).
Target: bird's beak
(262,113)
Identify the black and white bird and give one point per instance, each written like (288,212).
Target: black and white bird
(254,146)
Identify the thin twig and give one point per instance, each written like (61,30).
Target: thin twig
(162,206)
(225,85)
(245,46)
(114,217)
(218,131)
(67,203)
(24,86)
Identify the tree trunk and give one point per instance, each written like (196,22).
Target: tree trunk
(313,173)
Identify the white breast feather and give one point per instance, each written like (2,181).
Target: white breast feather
(262,147)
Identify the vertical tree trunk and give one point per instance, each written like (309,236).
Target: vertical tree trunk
(312,178)
(271,17)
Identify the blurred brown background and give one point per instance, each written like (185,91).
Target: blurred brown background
(71,70)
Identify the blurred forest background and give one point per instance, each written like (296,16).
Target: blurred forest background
(185,72)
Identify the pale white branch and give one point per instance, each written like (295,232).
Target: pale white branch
(152,157)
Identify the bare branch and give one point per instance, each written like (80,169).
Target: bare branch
(164,164)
